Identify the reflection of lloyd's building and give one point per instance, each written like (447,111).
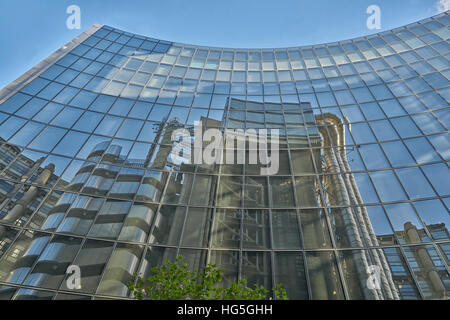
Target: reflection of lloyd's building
(91,175)
(324,134)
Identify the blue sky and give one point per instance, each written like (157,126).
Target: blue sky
(31,30)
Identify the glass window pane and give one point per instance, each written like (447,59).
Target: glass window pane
(26,133)
(442,143)
(102,103)
(435,216)
(285,230)
(227,261)
(109,125)
(137,222)
(226,229)
(88,121)
(372,111)
(83,99)
(19,259)
(403,218)
(57,257)
(121,107)
(257,269)
(403,281)
(439,176)
(256,192)
(387,186)
(373,157)
(92,260)
(120,269)
(434,283)
(80,215)
(415,183)
(391,108)
(229,194)
(362,133)
(405,127)
(290,271)
(324,278)
(130,129)
(397,153)
(48,138)
(422,151)
(383,130)
(315,229)
(31,108)
(380,225)
(71,143)
(195,232)
(306,190)
(67,117)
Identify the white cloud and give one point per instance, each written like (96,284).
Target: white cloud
(443,5)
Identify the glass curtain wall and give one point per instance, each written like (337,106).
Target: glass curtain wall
(359,208)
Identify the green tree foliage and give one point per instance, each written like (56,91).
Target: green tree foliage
(173,281)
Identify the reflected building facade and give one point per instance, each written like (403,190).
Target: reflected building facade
(359,208)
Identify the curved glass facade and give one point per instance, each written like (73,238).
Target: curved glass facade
(358,209)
